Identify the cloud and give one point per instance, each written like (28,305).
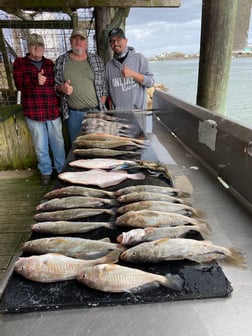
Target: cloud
(154,31)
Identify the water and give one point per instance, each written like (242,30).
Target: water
(181,79)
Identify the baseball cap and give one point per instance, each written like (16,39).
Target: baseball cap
(80,32)
(116,32)
(35,39)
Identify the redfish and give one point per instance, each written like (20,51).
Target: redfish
(52,267)
(66,227)
(149,196)
(165,249)
(160,206)
(78,191)
(147,218)
(116,278)
(153,189)
(71,246)
(69,214)
(74,202)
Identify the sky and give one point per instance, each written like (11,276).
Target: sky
(154,31)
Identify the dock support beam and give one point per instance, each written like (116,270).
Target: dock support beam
(217,36)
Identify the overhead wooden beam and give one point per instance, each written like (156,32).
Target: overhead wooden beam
(74,4)
(38,24)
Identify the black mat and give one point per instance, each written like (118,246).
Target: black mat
(200,281)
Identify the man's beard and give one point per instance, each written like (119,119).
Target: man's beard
(78,51)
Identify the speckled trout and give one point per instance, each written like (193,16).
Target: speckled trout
(164,249)
(52,267)
(116,278)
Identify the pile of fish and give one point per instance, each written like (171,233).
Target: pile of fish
(102,125)
(152,222)
(97,145)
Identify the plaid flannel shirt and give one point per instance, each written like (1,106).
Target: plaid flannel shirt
(100,81)
(40,102)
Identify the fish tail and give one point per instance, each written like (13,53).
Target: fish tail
(186,202)
(112,201)
(174,281)
(184,194)
(110,225)
(197,213)
(203,231)
(236,258)
(204,225)
(110,194)
(112,257)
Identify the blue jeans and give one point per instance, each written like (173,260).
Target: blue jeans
(75,119)
(45,135)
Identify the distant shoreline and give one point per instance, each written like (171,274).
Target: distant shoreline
(186,57)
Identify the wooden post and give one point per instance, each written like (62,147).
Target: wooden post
(217,36)
(7,64)
(102,20)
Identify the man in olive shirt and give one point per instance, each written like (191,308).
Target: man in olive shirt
(81,82)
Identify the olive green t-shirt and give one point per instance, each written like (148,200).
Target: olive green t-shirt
(82,79)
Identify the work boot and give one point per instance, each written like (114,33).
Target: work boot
(45,180)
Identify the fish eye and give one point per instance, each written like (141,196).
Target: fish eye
(134,253)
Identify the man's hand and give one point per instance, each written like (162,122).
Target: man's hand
(65,88)
(41,77)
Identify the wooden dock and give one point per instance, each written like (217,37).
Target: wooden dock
(20,192)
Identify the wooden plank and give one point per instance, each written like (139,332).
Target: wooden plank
(59,4)
(38,24)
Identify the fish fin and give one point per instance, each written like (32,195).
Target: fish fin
(109,211)
(236,258)
(149,229)
(160,241)
(137,176)
(105,239)
(174,281)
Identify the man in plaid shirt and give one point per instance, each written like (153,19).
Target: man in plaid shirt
(33,76)
(80,81)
